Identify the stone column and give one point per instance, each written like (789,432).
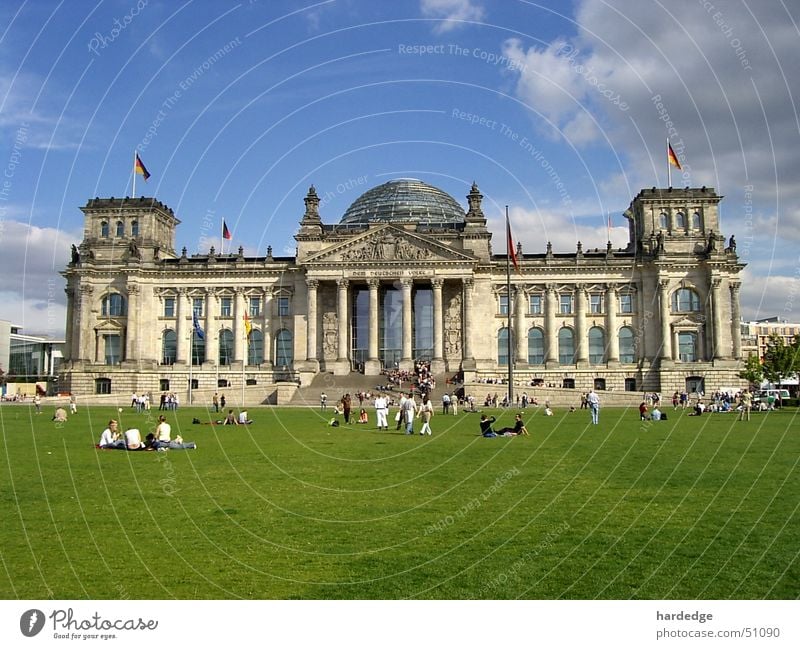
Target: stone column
(521,333)
(183,334)
(550,331)
(467,285)
(408,349)
(132,320)
(666,333)
(266,325)
(612,336)
(582,346)
(716,297)
(70,316)
(311,329)
(438,320)
(342,319)
(212,328)
(373,364)
(239,333)
(736,329)
(84,331)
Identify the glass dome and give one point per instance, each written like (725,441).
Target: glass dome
(405,200)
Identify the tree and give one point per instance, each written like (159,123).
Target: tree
(753,371)
(781,360)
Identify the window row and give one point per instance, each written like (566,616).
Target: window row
(688,346)
(684,300)
(255,306)
(681,221)
(283,352)
(119,229)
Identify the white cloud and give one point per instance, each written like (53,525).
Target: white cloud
(31,289)
(452,12)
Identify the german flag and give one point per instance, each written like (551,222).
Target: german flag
(139,168)
(511,248)
(673,159)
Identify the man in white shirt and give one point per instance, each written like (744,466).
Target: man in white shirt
(243,419)
(401,412)
(409,409)
(381,411)
(594,405)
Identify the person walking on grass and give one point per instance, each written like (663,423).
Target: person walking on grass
(425,412)
(747,402)
(594,406)
(409,408)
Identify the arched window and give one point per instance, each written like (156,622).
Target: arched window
(134,228)
(687,346)
(627,351)
(104,229)
(169,347)
(685,300)
(284,355)
(120,229)
(198,349)
(566,346)
(225,347)
(535,347)
(597,345)
(663,221)
(680,221)
(255,347)
(113,304)
(502,346)
(696,221)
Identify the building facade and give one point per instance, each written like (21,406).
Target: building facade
(756,335)
(405,274)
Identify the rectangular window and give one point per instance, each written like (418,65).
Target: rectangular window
(197,306)
(565,304)
(169,307)
(504,305)
(626,303)
(283,306)
(225,306)
(536,304)
(113,349)
(596,303)
(255,306)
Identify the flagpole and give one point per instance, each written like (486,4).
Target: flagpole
(509,243)
(244,362)
(133,192)
(191,360)
(669,167)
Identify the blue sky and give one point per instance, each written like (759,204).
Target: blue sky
(556,109)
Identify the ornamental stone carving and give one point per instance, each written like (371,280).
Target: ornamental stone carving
(387,248)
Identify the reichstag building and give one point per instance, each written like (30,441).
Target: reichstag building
(405,274)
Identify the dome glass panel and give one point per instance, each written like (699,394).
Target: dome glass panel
(405,200)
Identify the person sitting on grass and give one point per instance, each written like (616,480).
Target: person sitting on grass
(548,411)
(60,416)
(162,437)
(230,419)
(133,440)
(362,417)
(517,429)
(110,436)
(486,426)
(643,411)
(244,419)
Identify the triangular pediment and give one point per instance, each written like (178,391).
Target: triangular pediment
(109,326)
(388,244)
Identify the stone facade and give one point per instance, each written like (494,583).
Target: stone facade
(661,314)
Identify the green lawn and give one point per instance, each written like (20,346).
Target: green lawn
(289,508)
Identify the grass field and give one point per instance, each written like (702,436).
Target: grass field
(695,508)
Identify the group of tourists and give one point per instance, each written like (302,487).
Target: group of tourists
(131,440)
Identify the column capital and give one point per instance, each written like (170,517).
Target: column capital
(373,283)
(182,290)
(734,287)
(342,282)
(437,282)
(239,290)
(312,283)
(550,288)
(612,287)
(468,282)
(580,288)
(716,282)
(132,289)
(86,289)
(663,284)
(406,282)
